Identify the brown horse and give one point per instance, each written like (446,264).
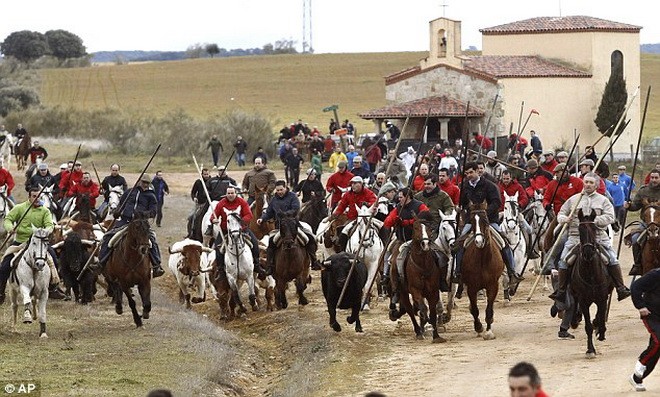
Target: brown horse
(422,279)
(331,235)
(261,198)
(130,265)
(21,151)
(482,267)
(291,261)
(589,281)
(650,215)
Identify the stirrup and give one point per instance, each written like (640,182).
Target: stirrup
(636,270)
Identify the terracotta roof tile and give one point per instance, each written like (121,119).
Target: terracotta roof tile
(500,66)
(441,106)
(576,23)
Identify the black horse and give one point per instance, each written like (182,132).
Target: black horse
(589,281)
(313,212)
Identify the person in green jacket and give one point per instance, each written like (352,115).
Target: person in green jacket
(317,163)
(37,216)
(436,200)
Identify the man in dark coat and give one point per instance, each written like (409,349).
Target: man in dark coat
(310,187)
(161,189)
(216,147)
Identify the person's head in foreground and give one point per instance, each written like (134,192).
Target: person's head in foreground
(524,380)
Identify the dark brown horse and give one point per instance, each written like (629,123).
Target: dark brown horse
(21,151)
(291,261)
(650,215)
(261,198)
(482,267)
(589,280)
(130,265)
(422,279)
(313,212)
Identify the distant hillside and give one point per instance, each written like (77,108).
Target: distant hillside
(141,56)
(651,48)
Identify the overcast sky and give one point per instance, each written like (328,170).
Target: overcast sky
(337,25)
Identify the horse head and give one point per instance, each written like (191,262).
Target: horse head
(587,230)
(650,215)
(421,230)
(234,226)
(511,211)
(138,232)
(447,229)
(479,220)
(288,228)
(37,249)
(114,194)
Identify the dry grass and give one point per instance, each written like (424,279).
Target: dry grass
(282,87)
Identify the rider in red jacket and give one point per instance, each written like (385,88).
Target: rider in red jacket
(511,187)
(86,187)
(537,178)
(6,179)
(339,181)
(568,186)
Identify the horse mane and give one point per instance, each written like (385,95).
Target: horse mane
(425,217)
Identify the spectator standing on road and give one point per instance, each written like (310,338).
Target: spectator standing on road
(161,189)
(241,146)
(293,162)
(216,148)
(317,162)
(335,158)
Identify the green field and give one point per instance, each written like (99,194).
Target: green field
(283,88)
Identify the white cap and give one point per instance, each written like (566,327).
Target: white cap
(492,154)
(357,179)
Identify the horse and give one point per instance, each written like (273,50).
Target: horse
(129,265)
(6,148)
(313,212)
(239,265)
(5,206)
(482,267)
(422,280)
(372,246)
(206,224)
(21,151)
(261,200)
(510,226)
(650,215)
(540,224)
(29,280)
(291,260)
(445,240)
(589,280)
(114,194)
(50,203)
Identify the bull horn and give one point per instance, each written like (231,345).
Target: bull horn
(207,250)
(208,269)
(57,245)
(169,249)
(88,242)
(326,263)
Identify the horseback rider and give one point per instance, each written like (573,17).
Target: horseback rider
(7,180)
(138,200)
(259,178)
(310,187)
(43,178)
(217,185)
(231,202)
(651,192)
(477,190)
(39,217)
(589,200)
(436,200)
(338,183)
(37,151)
(114,181)
(68,180)
(283,201)
(86,187)
(358,195)
(198,196)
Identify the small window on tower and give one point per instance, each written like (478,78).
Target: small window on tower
(442,43)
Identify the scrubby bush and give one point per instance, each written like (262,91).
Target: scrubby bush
(15,98)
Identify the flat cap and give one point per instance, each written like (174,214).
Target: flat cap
(492,154)
(532,163)
(588,162)
(342,164)
(559,167)
(357,179)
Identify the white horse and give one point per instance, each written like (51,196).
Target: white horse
(114,194)
(30,279)
(5,149)
(206,223)
(510,226)
(539,223)
(48,201)
(445,240)
(5,206)
(372,246)
(239,265)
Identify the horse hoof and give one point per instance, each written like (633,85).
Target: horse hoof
(358,329)
(303,301)
(366,308)
(420,336)
(119,310)
(489,335)
(590,355)
(43,336)
(507,302)
(350,319)
(255,308)
(439,339)
(145,315)
(336,327)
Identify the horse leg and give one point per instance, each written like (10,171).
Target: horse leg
(41,311)
(474,310)
(235,294)
(599,323)
(137,319)
(118,297)
(588,329)
(253,292)
(407,307)
(491,295)
(373,270)
(505,288)
(27,302)
(301,285)
(145,296)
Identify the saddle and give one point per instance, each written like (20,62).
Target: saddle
(19,250)
(575,251)
(640,240)
(302,237)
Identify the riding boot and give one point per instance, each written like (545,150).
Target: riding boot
(560,293)
(5,270)
(458,260)
(154,253)
(531,252)
(636,269)
(507,255)
(311,248)
(622,292)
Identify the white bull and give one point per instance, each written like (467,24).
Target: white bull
(188,262)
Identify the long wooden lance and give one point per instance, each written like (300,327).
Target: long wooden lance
(206,191)
(632,181)
(360,245)
(581,194)
(521,130)
(508,165)
(490,116)
(120,209)
(426,124)
(545,218)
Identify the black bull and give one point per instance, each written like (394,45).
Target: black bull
(334,275)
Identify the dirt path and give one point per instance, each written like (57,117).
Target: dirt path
(388,358)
